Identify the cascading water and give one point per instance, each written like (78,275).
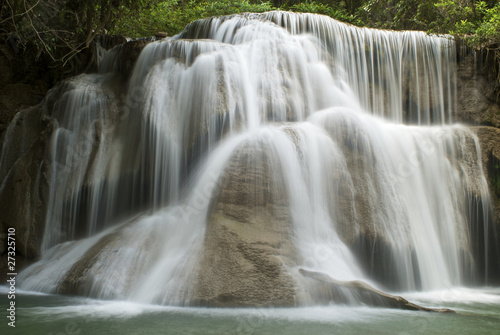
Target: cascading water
(365,199)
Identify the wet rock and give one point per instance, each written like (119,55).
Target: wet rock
(107,270)
(489,140)
(25,81)
(110,41)
(334,290)
(248,242)
(477,100)
(24,186)
(130,52)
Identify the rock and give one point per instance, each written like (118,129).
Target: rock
(110,41)
(15,97)
(478,104)
(247,247)
(26,168)
(477,101)
(129,54)
(104,271)
(25,81)
(24,188)
(248,239)
(334,290)
(489,141)
(161,34)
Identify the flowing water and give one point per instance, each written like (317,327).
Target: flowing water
(478,313)
(356,124)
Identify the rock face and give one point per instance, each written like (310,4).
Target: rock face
(248,239)
(24,188)
(131,52)
(25,81)
(24,168)
(489,138)
(478,104)
(477,97)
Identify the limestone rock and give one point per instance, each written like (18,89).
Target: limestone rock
(248,239)
(96,273)
(477,100)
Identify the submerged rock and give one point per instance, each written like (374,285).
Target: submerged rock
(330,289)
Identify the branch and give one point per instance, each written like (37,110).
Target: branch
(27,11)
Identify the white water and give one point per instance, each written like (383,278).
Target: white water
(314,102)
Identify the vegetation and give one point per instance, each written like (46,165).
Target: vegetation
(49,25)
(59,29)
(172,16)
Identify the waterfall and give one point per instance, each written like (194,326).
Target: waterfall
(404,76)
(345,136)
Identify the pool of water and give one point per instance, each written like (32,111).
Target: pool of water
(478,312)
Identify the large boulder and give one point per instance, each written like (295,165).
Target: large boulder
(248,242)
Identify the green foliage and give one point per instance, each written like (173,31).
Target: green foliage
(457,16)
(337,12)
(225,7)
(475,22)
(488,29)
(172,16)
(399,14)
(62,28)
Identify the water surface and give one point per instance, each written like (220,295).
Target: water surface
(478,312)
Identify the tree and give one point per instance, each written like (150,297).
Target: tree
(59,28)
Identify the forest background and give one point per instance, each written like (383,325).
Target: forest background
(50,33)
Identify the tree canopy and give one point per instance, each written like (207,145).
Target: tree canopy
(60,29)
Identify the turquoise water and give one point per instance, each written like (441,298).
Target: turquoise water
(478,312)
